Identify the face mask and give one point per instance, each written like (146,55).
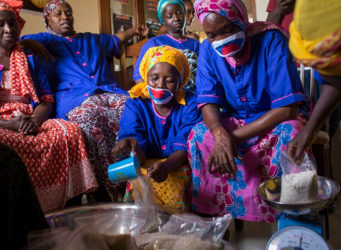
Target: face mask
(160,96)
(229,46)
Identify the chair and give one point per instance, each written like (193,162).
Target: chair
(133,52)
(320,145)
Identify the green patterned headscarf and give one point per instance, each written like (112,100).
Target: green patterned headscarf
(162,5)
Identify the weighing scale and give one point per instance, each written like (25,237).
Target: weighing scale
(299,225)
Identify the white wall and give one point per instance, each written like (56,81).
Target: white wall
(261,6)
(85,13)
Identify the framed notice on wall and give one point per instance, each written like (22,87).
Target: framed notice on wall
(154,27)
(35,5)
(121,23)
(152,4)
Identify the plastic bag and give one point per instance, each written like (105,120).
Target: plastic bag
(176,242)
(145,198)
(299,182)
(212,229)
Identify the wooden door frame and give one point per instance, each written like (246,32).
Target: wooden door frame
(105,26)
(104,16)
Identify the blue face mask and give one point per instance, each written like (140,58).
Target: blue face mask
(229,46)
(160,96)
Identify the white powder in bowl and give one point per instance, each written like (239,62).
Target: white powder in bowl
(299,187)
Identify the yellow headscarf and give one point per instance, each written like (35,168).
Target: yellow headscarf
(315,35)
(169,55)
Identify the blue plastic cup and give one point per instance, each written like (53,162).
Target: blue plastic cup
(124,170)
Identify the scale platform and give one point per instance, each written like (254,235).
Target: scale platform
(327,191)
(299,225)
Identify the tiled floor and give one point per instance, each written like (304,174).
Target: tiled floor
(254,236)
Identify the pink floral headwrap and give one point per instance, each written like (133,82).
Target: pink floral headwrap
(235,11)
(49,7)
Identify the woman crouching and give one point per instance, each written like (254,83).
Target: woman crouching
(156,122)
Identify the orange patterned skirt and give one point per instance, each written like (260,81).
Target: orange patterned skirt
(56,161)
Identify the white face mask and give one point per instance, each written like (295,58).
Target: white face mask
(230,45)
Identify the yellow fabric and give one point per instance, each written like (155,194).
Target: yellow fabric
(315,35)
(169,55)
(175,191)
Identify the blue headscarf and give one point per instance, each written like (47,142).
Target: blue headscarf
(162,5)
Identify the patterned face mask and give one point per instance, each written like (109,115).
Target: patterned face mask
(230,45)
(160,96)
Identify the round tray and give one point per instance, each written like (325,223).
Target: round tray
(327,191)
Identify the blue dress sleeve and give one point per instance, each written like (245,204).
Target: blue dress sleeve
(145,47)
(131,124)
(209,89)
(283,85)
(111,44)
(191,116)
(318,77)
(39,77)
(43,37)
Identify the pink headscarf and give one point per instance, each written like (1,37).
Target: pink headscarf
(235,11)
(49,7)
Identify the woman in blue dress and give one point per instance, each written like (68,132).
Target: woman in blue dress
(82,79)
(252,102)
(155,125)
(171,14)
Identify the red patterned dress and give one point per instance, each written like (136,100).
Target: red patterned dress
(55,158)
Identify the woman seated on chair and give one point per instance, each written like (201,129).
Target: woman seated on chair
(171,14)
(81,77)
(52,150)
(251,99)
(155,124)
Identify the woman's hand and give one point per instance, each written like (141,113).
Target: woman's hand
(37,48)
(222,156)
(12,124)
(123,148)
(28,125)
(285,6)
(142,30)
(299,144)
(159,172)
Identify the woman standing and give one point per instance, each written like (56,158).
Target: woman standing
(252,102)
(52,150)
(316,43)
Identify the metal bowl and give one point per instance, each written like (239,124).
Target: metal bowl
(327,191)
(130,216)
(130,213)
